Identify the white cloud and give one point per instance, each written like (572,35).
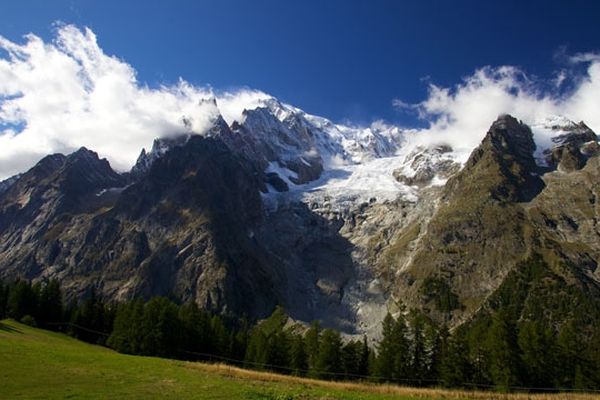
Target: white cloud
(461,115)
(401,105)
(58,96)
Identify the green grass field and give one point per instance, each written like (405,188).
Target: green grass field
(38,364)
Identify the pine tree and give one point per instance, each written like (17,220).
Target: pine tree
(279,350)
(22,300)
(417,358)
(89,320)
(351,359)
(50,304)
(386,350)
(436,344)
(401,350)
(4,292)
(502,347)
(454,364)
(218,336)
(312,341)
(298,355)
(127,333)
(537,350)
(161,328)
(190,319)
(257,350)
(240,340)
(330,354)
(595,359)
(568,349)
(476,334)
(270,343)
(364,358)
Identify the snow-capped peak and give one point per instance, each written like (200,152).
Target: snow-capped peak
(554,131)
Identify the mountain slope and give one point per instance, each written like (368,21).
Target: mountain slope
(332,222)
(496,212)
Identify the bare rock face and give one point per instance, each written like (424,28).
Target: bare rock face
(498,210)
(427,164)
(189,223)
(288,144)
(184,229)
(462,242)
(159,148)
(572,148)
(7,183)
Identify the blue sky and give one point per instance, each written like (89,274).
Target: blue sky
(113,76)
(346,60)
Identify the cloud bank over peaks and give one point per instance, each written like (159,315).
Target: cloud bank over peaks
(59,96)
(460,115)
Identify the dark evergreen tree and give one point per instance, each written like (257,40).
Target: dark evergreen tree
(161,328)
(298,355)
(257,352)
(22,300)
(386,350)
(50,305)
(537,351)
(218,336)
(312,341)
(364,358)
(4,292)
(89,321)
(436,344)
(401,350)
(568,355)
(269,344)
(454,364)
(240,340)
(503,351)
(330,355)
(418,357)
(350,358)
(191,322)
(127,333)
(476,334)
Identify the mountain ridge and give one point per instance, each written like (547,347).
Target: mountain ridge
(263,212)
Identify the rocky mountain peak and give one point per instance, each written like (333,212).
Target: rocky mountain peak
(572,146)
(507,135)
(159,147)
(8,182)
(503,164)
(84,172)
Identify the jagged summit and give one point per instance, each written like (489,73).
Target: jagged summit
(8,182)
(337,223)
(557,136)
(159,147)
(301,156)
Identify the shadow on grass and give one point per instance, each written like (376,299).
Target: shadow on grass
(8,328)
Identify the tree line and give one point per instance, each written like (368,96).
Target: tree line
(495,351)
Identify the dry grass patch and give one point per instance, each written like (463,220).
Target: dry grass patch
(386,389)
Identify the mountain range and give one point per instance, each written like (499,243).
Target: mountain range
(332,222)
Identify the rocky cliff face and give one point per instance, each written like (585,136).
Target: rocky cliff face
(500,209)
(184,229)
(255,214)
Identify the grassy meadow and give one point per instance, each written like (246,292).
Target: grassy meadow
(38,364)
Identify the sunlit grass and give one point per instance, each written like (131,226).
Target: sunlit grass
(37,364)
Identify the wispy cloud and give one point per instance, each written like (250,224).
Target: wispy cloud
(58,96)
(460,115)
(401,105)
